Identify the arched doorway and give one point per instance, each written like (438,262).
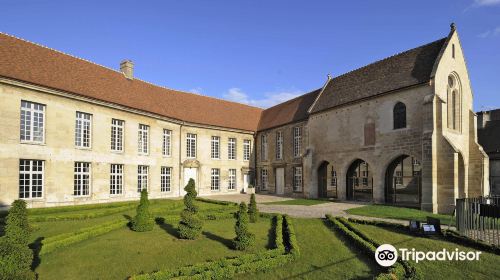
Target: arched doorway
(403,182)
(327,181)
(359,181)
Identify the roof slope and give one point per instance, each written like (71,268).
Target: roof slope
(409,68)
(32,63)
(290,111)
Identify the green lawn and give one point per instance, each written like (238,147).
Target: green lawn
(324,255)
(399,213)
(299,201)
(487,268)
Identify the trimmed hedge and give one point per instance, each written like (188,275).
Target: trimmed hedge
(143,220)
(190,224)
(289,238)
(278,233)
(63,240)
(17,229)
(81,216)
(244,238)
(15,261)
(455,237)
(219,202)
(253,212)
(228,268)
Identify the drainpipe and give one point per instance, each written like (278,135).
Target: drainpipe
(180,160)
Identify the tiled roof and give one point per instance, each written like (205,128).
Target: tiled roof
(406,69)
(291,111)
(35,64)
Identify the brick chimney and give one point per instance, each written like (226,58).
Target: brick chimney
(127,68)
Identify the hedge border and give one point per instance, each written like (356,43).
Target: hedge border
(248,263)
(220,202)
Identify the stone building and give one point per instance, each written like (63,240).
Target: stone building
(488,134)
(74,132)
(398,131)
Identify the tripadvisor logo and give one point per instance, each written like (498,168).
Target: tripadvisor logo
(387,255)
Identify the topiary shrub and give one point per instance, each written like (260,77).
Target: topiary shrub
(143,221)
(253,213)
(244,238)
(15,255)
(17,229)
(190,225)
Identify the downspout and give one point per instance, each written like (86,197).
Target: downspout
(180,161)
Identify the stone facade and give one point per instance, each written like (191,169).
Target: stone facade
(59,153)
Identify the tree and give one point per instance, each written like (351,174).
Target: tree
(244,238)
(190,225)
(253,212)
(15,255)
(143,220)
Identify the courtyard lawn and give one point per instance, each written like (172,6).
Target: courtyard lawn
(399,213)
(299,201)
(486,268)
(324,255)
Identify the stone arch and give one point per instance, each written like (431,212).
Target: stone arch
(454,102)
(327,186)
(359,181)
(399,115)
(403,181)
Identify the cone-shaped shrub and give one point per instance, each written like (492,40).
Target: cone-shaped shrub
(253,213)
(15,256)
(244,238)
(190,224)
(143,220)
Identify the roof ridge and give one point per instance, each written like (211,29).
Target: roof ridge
(388,57)
(119,72)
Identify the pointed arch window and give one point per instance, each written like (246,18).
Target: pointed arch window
(399,115)
(454,103)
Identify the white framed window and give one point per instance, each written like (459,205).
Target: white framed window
(82,179)
(264,179)
(116,179)
(32,122)
(166,178)
(263,146)
(215,179)
(117,135)
(143,139)
(215,147)
(297,141)
(191,145)
(279,145)
(297,179)
(247,149)
(142,177)
(83,130)
(167,142)
(31,178)
(232,179)
(231,148)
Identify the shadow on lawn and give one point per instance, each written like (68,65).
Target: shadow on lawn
(227,242)
(318,268)
(168,228)
(36,247)
(271,235)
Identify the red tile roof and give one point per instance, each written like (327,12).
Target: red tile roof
(35,64)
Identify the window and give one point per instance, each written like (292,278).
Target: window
(191,145)
(32,122)
(142,177)
(143,139)
(232,179)
(166,178)
(399,115)
(215,147)
(215,180)
(31,178)
(279,145)
(82,179)
(116,179)
(263,179)
(167,142)
(333,183)
(231,148)
(297,179)
(263,146)
(83,130)
(453,50)
(297,141)
(247,149)
(117,135)
(454,103)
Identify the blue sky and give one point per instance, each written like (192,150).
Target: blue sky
(258,52)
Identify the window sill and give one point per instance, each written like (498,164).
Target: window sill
(169,156)
(141,154)
(81,196)
(36,199)
(33,143)
(83,148)
(117,152)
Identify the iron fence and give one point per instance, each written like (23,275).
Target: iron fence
(479,218)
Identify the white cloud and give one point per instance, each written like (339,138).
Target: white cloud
(196,90)
(270,99)
(486,2)
(490,33)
